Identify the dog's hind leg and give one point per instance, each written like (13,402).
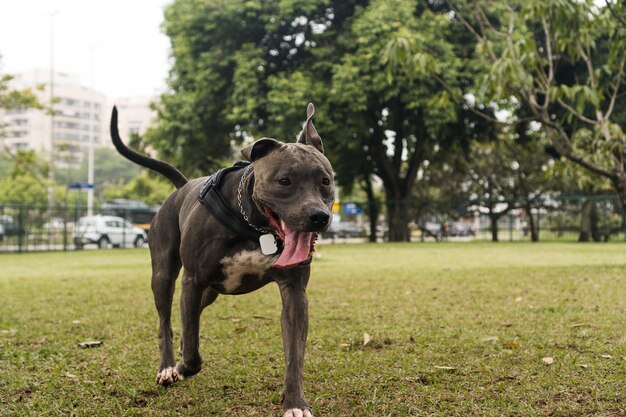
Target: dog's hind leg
(190,309)
(163,285)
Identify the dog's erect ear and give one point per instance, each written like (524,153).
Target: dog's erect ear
(260,148)
(309,135)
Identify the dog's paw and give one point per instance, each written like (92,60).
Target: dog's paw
(168,376)
(296,412)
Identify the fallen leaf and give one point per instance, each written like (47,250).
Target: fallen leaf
(75,322)
(344,345)
(606,356)
(235,319)
(580,325)
(445,368)
(8,331)
(489,339)
(506,324)
(71,376)
(511,345)
(89,344)
(548,361)
(518,299)
(366,339)
(584,365)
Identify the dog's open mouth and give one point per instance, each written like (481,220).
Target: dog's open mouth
(298,246)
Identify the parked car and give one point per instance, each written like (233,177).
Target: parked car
(137,212)
(55,223)
(106,231)
(432,229)
(10,226)
(461,229)
(343,230)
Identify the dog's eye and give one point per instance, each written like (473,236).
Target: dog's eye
(284,181)
(326,181)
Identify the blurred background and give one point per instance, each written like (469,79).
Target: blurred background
(444,120)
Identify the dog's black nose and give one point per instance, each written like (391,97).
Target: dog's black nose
(319,219)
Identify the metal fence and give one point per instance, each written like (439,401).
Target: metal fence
(548,218)
(38,228)
(44,228)
(562,218)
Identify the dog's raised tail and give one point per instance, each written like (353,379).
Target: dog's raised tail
(167,170)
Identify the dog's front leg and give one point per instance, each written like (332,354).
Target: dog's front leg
(295,324)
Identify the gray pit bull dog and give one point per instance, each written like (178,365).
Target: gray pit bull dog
(235,232)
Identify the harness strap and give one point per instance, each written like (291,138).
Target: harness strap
(211,198)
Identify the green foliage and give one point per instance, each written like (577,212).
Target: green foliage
(5,164)
(26,182)
(563,61)
(225,54)
(389,85)
(13,99)
(146,187)
(109,168)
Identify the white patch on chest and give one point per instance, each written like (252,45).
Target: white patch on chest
(246,262)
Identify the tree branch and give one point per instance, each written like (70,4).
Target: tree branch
(609,111)
(575,113)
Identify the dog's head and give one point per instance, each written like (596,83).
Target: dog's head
(294,187)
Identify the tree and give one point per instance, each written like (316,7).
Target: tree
(109,169)
(146,187)
(584,187)
(26,182)
(228,58)
(246,69)
(13,99)
(400,116)
(563,61)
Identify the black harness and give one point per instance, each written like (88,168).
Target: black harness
(212,199)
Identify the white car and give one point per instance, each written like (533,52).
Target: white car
(107,231)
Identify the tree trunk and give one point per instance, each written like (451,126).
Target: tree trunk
(534,230)
(620,185)
(494,227)
(589,229)
(397,221)
(593,217)
(585,222)
(373,209)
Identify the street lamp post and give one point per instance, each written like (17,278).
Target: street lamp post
(92,132)
(51,152)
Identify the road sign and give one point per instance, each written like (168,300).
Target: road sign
(80,186)
(352,208)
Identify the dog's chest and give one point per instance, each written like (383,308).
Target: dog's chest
(245,269)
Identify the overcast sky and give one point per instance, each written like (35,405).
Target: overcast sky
(130,53)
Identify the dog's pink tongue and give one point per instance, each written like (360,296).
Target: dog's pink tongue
(297,248)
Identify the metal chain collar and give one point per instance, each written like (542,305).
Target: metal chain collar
(244,177)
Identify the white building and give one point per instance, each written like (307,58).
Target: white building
(80,114)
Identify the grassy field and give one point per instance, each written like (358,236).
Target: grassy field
(455,330)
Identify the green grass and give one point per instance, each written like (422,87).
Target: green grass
(489,311)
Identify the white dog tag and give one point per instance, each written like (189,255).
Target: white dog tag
(268,244)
